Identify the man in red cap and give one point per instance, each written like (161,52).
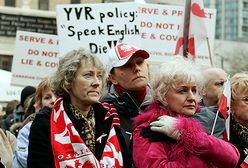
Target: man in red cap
(128,89)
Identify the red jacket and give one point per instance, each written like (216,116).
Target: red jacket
(195,149)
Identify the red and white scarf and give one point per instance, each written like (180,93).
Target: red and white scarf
(245,163)
(70,151)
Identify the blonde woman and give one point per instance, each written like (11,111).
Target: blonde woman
(239,111)
(185,143)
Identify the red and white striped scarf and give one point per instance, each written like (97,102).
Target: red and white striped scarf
(70,151)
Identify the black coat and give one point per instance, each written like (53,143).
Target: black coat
(40,149)
(240,141)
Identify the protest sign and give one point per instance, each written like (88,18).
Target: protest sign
(96,27)
(35,57)
(7,91)
(160,28)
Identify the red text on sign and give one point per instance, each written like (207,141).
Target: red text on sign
(32,39)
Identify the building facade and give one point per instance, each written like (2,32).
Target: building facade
(231,20)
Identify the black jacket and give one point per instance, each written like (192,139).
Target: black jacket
(239,138)
(126,106)
(40,150)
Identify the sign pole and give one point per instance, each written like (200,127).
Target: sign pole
(187,10)
(209,52)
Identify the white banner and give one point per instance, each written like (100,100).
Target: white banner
(98,27)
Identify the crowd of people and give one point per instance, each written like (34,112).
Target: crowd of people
(90,115)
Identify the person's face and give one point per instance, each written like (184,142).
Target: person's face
(48,98)
(181,99)
(239,109)
(86,87)
(214,88)
(132,76)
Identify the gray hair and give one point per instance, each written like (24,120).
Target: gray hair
(209,71)
(173,72)
(68,66)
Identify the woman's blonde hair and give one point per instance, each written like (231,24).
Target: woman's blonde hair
(68,66)
(43,85)
(173,72)
(239,85)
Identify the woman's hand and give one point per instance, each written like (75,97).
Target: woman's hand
(166,125)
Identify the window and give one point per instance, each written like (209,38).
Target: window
(75,1)
(43,4)
(245,21)
(245,29)
(5,62)
(245,14)
(10,3)
(245,4)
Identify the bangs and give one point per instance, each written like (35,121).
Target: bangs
(185,78)
(239,85)
(93,61)
(240,89)
(174,72)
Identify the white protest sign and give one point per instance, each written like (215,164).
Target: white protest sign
(96,27)
(7,91)
(159,30)
(35,57)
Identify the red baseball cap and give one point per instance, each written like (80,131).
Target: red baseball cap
(121,53)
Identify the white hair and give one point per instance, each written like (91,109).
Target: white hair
(173,72)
